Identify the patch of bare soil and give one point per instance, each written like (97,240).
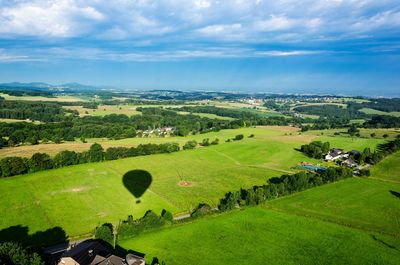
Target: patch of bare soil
(185,184)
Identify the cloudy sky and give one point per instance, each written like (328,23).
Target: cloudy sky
(338,46)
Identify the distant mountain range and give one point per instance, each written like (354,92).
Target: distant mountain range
(68,87)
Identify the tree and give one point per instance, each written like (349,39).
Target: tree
(105,233)
(167,216)
(353,130)
(11,166)
(13,253)
(96,153)
(40,161)
(65,158)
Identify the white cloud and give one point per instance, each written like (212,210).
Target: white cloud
(188,21)
(288,53)
(62,18)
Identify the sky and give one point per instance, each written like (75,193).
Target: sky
(349,47)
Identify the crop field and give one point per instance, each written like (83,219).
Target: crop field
(262,236)
(103,110)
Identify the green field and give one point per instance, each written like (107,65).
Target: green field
(378,112)
(360,203)
(388,169)
(40,98)
(78,198)
(261,236)
(354,221)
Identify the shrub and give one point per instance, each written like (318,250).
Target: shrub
(190,145)
(238,137)
(105,233)
(215,142)
(201,210)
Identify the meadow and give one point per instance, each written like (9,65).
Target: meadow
(378,112)
(40,98)
(261,236)
(78,198)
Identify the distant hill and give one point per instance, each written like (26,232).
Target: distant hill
(40,86)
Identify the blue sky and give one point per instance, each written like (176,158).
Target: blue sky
(320,46)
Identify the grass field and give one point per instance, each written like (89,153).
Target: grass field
(272,133)
(80,197)
(40,98)
(388,169)
(378,112)
(361,203)
(261,236)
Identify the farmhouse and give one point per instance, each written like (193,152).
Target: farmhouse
(349,162)
(335,154)
(93,252)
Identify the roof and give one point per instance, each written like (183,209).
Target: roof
(349,162)
(85,252)
(110,260)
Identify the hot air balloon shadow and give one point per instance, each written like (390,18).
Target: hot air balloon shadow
(137,182)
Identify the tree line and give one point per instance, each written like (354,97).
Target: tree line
(11,166)
(112,126)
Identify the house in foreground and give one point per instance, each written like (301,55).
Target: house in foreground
(94,252)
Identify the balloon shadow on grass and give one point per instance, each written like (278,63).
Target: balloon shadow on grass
(137,182)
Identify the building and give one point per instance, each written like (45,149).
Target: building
(335,154)
(349,162)
(94,252)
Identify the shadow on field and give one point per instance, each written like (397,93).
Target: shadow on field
(137,182)
(20,234)
(395,193)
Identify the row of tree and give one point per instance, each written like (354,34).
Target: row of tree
(11,166)
(111,126)
(281,186)
(315,149)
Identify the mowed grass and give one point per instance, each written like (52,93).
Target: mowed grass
(261,236)
(378,112)
(388,169)
(78,198)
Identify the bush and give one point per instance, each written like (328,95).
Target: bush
(201,210)
(105,233)
(167,216)
(251,136)
(238,137)
(190,145)
(215,142)
(205,142)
